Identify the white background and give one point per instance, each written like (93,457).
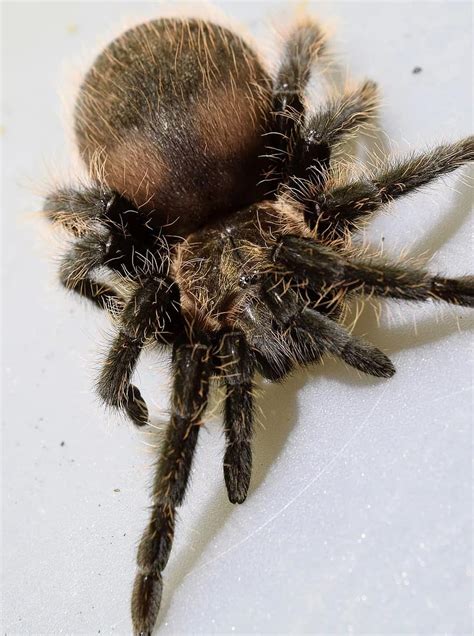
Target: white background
(359,515)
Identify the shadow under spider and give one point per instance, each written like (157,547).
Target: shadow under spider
(278,402)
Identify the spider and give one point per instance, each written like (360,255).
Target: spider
(215,223)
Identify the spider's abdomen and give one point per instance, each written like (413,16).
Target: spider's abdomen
(171,116)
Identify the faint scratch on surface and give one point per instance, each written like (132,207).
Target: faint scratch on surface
(303,490)
(453,394)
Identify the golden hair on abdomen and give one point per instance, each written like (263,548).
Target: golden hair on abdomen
(168,96)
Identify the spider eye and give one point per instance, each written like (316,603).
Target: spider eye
(247,279)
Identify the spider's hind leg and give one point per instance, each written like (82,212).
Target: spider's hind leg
(300,147)
(303,45)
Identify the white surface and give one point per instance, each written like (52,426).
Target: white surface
(359,518)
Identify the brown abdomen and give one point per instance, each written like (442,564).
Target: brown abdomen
(171,115)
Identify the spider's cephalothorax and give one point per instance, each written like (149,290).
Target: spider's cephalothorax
(214,207)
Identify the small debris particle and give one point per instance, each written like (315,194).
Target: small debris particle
(62,443)
(116,489)
(124,534)
(71,28)
(417,70)
(2,131)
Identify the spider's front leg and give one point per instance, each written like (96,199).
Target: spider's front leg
(236,365)
(192,367)
(339,209)
(152,313)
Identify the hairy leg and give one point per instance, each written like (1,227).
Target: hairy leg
(326,334)
(77,267)
(340,117)
(189,399)
(236,367)
(77,210)
(324,268)
(111,233)
(149,314)
(342,208)
(304,44)
(114,386)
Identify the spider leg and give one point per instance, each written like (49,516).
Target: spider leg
(114,385)
(304,44)
(271,360)
(343,208)
(81,212)
(77,266)
(324,268)
(189,399)
(236,365)
(149,314)
(76,210)
(341,116)
(111,233)
(326,334)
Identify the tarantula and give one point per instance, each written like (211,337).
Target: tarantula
(215,223)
